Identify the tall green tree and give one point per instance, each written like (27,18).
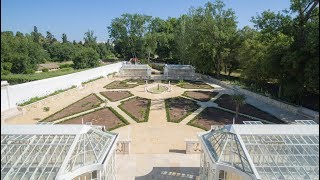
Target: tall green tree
(87,57)
(64,38)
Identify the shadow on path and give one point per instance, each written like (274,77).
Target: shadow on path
(172,173)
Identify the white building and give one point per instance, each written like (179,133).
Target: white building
(57,152)
(261,151)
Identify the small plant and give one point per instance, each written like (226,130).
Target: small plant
(46,109)
(45,70)
(182,83)
(141,111)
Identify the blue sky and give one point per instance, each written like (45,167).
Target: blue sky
(75,17)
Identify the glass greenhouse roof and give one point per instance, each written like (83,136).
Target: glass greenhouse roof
(135,66)
(178,66)
(50,151)
(267,151)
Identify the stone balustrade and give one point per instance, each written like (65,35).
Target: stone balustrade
(193,146)
(123,147)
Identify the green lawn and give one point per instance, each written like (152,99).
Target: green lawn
(22,78)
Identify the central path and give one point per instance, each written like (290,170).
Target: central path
(157,149)
(157,114)
(157,136)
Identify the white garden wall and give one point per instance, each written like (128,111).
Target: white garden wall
(23,92)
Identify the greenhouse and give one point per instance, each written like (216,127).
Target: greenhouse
(174,71)
(260,151)
(57,152)
(135,70)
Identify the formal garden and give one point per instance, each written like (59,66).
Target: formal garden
(126,101)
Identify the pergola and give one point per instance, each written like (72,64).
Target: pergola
(47,151)
(261,151)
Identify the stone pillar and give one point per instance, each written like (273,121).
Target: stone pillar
(193,146)
(5,95)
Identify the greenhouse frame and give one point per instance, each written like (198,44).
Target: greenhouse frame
(45,151)
(135,70)
(175,71)
(260,151)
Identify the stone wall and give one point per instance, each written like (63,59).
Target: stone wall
(16,94)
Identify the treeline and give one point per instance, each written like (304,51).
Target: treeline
(282,48)
(21,53)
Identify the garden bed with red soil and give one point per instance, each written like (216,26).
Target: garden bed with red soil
(226,101)
(213,116)
(84,104)
(137,108)
(116,95)
(126,84)
(178,108)
(103,117)
(203,96)
(193,85)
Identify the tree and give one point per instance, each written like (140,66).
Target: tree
(127,33)
(64,38)
(239,100)
(86,58)
(36,35)
(89,39)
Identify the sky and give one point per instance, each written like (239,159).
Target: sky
(75,17)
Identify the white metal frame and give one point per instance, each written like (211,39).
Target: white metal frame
(54,151)
(273,151)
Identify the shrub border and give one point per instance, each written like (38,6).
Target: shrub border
(116,91)
(146,114)
(168,111)
(122,119)
(70,105)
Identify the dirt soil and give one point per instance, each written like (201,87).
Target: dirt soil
(102,117)
(213,116)
(203,96)
(194,85)
(84,104)
(126,84)
(116,95)
(226,101)
(136,107)
(180,107)
(120,85)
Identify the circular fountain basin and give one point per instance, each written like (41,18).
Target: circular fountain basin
(157,89)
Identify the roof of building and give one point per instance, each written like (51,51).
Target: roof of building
(48,66)
(50,151)
(135,66)
(178,66)
(267,151)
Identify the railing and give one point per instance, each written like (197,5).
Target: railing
(123,147)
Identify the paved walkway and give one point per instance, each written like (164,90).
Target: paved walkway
(157,166)
(157,136)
